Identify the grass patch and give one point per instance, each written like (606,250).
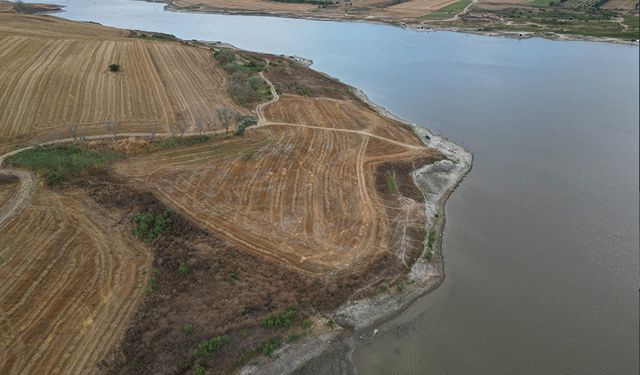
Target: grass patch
(540,3)
(281,320)
(59,163)
(183,270)
(391,182)
(431,239)
(268,347)
(149,225)
(187,328)
(174,142)
(153,279)
(448,11)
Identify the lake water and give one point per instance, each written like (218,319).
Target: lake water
(541,242)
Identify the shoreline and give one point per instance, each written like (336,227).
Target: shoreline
(361,317)
(170,7)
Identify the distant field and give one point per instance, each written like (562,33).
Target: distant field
(51,78)
(620,4)
(420,7)
(255,5)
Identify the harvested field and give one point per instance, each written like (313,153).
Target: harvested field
(620,4)
(52,78)
(418,8)
(301,193)
(71,281)
(501,4)
(9,186)
(338,114)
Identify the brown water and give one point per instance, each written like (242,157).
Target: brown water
(541,242)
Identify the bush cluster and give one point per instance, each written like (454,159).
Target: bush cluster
(213,346)
(149,225)
(282,320)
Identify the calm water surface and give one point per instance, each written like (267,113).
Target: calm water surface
(541,242)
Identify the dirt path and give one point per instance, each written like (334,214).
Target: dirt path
(275,98)
(361,132)
(463,12)
(262,121)
(22,196)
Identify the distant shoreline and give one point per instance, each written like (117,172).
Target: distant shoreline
(392,22)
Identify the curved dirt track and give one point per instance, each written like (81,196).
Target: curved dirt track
(20,198)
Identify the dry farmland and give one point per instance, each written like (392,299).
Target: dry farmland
(312,207)
(621,4)
(56,73)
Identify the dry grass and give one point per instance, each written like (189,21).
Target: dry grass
(51,78)
(71,281)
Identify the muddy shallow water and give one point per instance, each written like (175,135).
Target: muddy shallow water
(541,242)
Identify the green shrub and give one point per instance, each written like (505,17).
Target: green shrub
(282,320)
(213,346)
(183,270)
(429,256)
(224,56)
(187,328)
(114,67)
(198,370)
(149,225)
(244,123)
